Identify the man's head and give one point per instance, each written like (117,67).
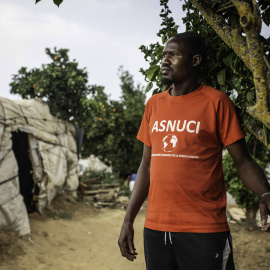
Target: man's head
(182,56)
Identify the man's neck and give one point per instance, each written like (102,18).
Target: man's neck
(184,88)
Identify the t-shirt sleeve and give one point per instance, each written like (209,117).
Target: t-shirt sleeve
(144,133)
(228,123)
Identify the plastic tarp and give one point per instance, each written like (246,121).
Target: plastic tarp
(53,154)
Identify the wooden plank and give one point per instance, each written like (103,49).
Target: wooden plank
(105,204)
(91,180)
(82,184)
(105,197)
(102,186)
(99,191)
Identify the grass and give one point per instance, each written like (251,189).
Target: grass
(57,214)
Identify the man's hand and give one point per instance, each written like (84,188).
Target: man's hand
(265,211)
(126,243)
(138,196)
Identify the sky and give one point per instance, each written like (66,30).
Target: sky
(101,35)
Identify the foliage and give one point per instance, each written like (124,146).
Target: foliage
(226,67)
(112,136)
(238,23)
(110,126)
(105,177)
(243,197)
(61,83)
(57,214)
(153,52)
(56,2)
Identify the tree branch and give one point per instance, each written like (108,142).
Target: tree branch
(225,6)
(260,133)
(257,16)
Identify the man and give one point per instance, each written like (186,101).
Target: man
(184,130)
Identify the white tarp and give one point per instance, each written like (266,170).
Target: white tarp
(52,151)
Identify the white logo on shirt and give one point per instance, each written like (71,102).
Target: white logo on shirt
(169,143)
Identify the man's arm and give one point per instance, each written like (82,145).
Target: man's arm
(252,177)
(139,194)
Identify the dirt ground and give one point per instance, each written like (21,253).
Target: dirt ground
(79,236)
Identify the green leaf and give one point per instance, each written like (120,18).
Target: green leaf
(148,87)
(228,61)
(196,21)
(218,54)
(37,1)
(155,91)
(221,77)
(160,50)
(236,81)
(152,72)
(213,66)
(164,39)
(163,88)
(250,97)
(214,2)
(266,16)
(58,2)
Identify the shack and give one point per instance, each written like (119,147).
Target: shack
(38,160)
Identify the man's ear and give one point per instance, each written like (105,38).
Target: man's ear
(197,59)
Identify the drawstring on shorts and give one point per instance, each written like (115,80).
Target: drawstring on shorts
(170,237)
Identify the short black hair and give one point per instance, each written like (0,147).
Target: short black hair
(194,40)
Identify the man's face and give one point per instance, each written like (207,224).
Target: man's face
(177,64)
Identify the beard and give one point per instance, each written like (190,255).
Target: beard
(166,81)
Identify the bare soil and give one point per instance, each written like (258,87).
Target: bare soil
(73,235)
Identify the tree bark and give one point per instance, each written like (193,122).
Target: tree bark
(251,219)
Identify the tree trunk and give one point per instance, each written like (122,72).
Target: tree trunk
(251,219)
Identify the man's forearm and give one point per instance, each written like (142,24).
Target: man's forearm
(249,171)
(253,177)
(139,193)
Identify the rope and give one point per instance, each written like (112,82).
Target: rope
(23,115)
(3,158)
(10,199)
(35,118)
(55,144)
(7,180)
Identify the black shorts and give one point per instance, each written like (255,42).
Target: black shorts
(188,251)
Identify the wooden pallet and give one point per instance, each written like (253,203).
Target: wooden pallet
(99,193)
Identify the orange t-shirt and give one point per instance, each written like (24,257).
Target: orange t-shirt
(187,133)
